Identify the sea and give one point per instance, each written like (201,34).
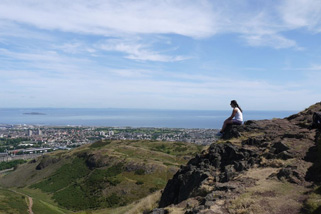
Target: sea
(135,118)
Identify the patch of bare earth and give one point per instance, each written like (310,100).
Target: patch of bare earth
(267,196)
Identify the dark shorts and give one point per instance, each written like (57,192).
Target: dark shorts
(237,122)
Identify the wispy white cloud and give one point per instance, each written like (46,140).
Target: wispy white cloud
(271,40)
(45,63)
(75,47)
(261,24)
(113,16)
(313,67)
(137,88)
(135,49)
(301,13)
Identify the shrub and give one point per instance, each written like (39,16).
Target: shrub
(11,164)
(115,170)
(113,181)
(180,149)
(113,200)
(153,189)
(140,172)
(139,182)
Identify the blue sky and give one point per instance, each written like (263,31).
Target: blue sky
(178,54)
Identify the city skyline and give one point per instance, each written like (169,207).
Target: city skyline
(160,55)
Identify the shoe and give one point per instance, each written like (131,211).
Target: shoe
(219,134)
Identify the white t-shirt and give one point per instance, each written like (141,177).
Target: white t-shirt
(238,116)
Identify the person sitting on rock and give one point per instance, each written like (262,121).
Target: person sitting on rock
(235,118)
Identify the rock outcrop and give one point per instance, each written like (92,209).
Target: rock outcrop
(45,161)
(219,164)
(248,167)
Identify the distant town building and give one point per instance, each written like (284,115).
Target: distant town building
(39,132)
(29,132)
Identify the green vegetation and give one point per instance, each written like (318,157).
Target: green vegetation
(100,176)
(42,202)
(12,203)
(114,200)
(139,172)
(99,144)
(139,182)
(12,141)
(9,143)
(11,164)
(65,175)
(39,206)
(104,175)
(74,198)
(75,187)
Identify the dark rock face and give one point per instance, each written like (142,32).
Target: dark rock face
(290,174)
(220,164)
(95,161)
(280,147)
(317,120)
(45,161)
(304,118)
(233,131)
(314,172)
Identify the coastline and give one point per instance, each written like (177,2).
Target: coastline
(135,118)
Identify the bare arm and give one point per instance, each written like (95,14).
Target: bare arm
(233,114)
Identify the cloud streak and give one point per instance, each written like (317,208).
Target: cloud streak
(134,49)
(112,17)
(260,25)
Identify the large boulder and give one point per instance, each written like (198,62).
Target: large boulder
(220,163)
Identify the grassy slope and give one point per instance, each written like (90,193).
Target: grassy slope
(11,202)
(145,167)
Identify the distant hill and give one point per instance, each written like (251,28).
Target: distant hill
(263,167)
(103,175)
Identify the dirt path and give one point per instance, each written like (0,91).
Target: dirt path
(29,200)
(30,205)
(6,170)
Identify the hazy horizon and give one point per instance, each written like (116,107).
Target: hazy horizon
(153,109)
(112,117)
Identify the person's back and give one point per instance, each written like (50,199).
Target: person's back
(239,115)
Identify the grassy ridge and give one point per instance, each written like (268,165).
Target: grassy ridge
(104,175)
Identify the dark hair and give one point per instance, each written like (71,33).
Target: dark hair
(236,105)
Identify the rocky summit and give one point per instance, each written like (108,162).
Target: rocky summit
(267,166)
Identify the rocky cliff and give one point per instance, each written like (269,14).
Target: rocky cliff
(266,166)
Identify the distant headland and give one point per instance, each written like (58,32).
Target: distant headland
(34,113)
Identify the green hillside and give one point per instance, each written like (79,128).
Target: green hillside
(11,202)
(103,175)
